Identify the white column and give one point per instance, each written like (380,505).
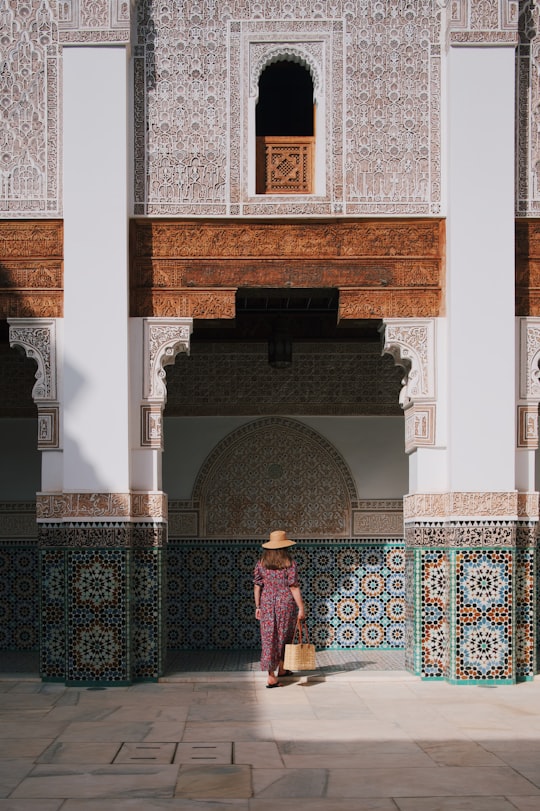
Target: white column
(95,372)
(480,269)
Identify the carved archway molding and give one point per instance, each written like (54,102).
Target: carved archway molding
(304,54)
(37,338)
(163,340)
(411,343)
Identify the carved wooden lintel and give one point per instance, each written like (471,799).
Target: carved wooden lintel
(192,268)
(31,275)
(207,304)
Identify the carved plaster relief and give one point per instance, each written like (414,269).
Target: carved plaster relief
(487,22)
(460,505)
(275,472)
(163,340)
(530,359)
(29,93)
(85,21)
(37,339)
(528,111)
(101,506)
(527,426)
(412,345)
(379,72)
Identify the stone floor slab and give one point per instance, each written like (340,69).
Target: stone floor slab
(12,772)
(322,804)
(460,753)
(278,783)
(454,804)
(151,804)
(68,752)
(125,781)
(30,805)
(259,754)
(206,782)
(198,753)
(525,803)
(412,759)
(146,752)
(23,747)
(224,731)
(17,728)
(105,732)
(434,782)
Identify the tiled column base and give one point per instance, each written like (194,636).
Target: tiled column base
(101,606)
(471,593)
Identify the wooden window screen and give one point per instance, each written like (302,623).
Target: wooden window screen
(285,164)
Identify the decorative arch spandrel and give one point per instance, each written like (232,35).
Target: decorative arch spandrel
(274,473)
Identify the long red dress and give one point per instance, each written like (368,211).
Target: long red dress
(278,611)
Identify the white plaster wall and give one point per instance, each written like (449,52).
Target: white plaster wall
(373,448)
(20,461)
(480,269)
(95,372)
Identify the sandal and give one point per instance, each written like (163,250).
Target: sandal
(275,684)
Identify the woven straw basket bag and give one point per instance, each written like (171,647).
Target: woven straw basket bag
(300,655)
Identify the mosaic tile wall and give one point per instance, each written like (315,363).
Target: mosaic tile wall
(471,614)
(526,613)
(434,613)
(101,607)
(19,598)
(484,628)
(354,592)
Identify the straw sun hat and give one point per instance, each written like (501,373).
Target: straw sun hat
(278,540)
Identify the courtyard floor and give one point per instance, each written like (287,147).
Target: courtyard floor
(359,734)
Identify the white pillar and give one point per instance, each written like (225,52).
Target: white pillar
(480,268)
(95,371)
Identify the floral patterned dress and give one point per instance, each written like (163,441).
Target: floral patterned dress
(278,611)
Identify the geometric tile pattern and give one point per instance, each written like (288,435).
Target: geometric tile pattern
(97,615)
(413,632)
(435,605)
(148,634)
(526,613)
(19,594)
(53,614)
(354,594)
(484,634)
(101,607)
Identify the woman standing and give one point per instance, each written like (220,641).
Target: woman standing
(278,603)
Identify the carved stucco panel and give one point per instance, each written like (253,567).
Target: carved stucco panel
(530,359)
(29,55)
(460,505)
(381,80)
(87,21)
(163,340)
(37,338)
(275,473)
(412,345)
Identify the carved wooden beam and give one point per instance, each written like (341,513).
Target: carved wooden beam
(193,268)
(31,269)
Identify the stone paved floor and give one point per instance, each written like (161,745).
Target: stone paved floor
(338,740)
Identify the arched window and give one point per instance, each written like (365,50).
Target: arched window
(285,130)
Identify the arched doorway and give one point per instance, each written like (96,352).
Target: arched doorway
(249,446)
